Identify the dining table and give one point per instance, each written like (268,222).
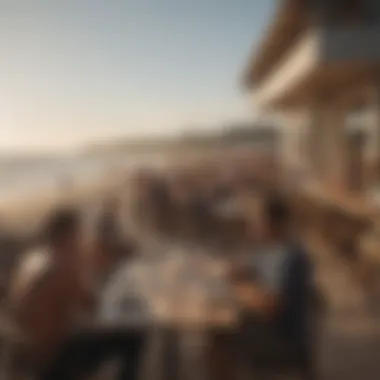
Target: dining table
(179,295)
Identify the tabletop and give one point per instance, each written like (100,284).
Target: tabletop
(170,284)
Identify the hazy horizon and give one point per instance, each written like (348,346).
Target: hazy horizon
(78,72)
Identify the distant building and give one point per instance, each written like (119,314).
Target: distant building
(318,67)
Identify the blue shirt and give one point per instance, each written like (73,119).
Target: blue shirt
(296,293)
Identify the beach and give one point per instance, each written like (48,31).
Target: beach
(348,336)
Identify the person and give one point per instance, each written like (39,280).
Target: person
(45,289)
(109,219)
(161,202)
(181,193)
(109,229)
(199,214)
(48,296)
(279,302)
(110,246)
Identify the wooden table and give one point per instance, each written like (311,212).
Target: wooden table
(180,294)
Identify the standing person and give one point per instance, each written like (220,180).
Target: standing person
(49,295)
(280,299)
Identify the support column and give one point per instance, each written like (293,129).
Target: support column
(315,142)
(337,149)
(290,137)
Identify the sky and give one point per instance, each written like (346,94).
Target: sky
(78,71)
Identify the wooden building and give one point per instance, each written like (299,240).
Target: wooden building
(318,68)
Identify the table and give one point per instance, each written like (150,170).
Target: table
(181,295)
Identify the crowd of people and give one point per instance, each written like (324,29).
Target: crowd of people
(206,204)
(54,288)
(235,211)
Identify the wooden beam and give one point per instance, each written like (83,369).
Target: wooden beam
(284,29)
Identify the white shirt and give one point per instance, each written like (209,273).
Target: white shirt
(32,267)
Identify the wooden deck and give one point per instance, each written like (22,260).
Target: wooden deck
(348,344)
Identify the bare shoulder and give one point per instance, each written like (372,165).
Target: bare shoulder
(36,269)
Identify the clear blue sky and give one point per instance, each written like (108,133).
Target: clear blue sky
(73,71)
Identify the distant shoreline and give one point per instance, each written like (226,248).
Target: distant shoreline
(33,204)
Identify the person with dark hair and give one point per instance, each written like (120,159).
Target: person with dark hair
(281,295)
(44,288)
(161,202)
(48,298)
(111,244)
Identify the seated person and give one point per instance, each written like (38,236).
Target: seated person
(48,296)
(45,289)
(104,255)
(279,296)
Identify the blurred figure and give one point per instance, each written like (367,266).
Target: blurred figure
(50,297)
(278,300)
(141,195)
(181,193)
(109,223)
(46,290)
(199,214)
(110,245)
(111,231)
(161,204)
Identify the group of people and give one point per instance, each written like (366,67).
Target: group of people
(236,213)
(54,289)
(211,205)
(53,293)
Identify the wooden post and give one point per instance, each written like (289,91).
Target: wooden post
(337,149)
(318,141)
(376,130)
(314,141)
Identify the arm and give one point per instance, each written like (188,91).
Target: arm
(84,286)
(255,298)
(263,298)
(29,300)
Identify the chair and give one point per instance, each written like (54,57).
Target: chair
(263,353)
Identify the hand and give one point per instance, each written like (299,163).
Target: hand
(270,305)
(250,295)
(245,293)
(256,299)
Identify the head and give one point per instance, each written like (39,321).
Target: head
(63,230)
(276,218)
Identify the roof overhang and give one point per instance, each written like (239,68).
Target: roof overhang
(340,84)
(288,23)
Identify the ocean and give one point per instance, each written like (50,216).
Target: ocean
(20,178)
